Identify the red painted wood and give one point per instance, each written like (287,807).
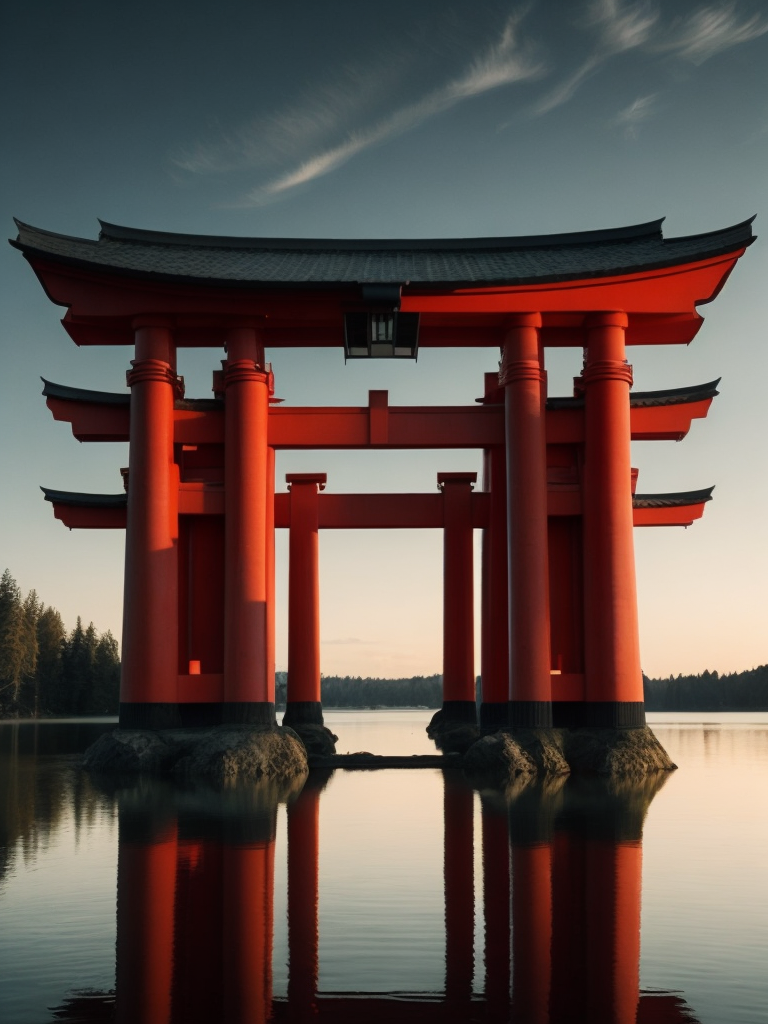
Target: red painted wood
(611,642)
(522,376)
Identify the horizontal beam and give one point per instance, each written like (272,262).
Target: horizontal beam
(376,426)
(367,511)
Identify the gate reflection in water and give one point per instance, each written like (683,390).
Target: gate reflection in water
(561,893)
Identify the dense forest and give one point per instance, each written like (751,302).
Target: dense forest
(356,691)
(46,671)
(709,691)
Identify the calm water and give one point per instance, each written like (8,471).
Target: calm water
(382,895)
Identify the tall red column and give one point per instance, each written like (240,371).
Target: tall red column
(149,673)
(249,694)
(613,679)
(303,696)
(303,902)
(458,597)
(494,666)
(524,382)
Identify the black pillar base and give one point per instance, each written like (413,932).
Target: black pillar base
(303,712)
(143,715)
(251,712)
(530,714)
(614,714)
(494,716)
(200,715)
(464,711)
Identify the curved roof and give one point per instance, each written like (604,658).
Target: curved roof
(672,500)
(536,259)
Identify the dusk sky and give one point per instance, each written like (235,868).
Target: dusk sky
(397,120)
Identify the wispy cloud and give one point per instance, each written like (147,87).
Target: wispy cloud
(631,117)
(710,31)
(345,641)
(621,27)
(503,63)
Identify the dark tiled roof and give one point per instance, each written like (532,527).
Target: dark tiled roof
(68,394)
(643,399)
(79,500)
(674,500)
(317,262)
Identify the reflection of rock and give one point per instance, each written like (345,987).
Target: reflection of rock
(504,756)
(318,740)
(609,808)
(223,754)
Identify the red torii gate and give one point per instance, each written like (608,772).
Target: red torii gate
(559,638)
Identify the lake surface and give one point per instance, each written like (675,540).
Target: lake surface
(386,895)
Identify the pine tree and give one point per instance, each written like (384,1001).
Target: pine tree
(12,650)
(50,640)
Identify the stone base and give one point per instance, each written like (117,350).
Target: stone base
(619,753)
(613,753)
(454,727)
(224,754)
(318,740)
(505,755)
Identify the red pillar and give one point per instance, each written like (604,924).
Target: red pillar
(303,903)
(458,810)
(458,597)
(146,886)
(303,697)
(522,376)
(149,673)
(614,686)
(249,694)
(494,668)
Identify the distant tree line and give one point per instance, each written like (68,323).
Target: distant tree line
(709,691)
(46,671)
(357,692)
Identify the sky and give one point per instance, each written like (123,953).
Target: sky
(398,120)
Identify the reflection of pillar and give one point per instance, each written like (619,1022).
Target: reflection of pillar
(494,709)
(458,806)
(248,882)
(248,692)
(531,931)
(149,671)
(303,862)
(496,893)
(146,886)
(613,895)
(522,376)
(614,687)
(458,599)
(303,696)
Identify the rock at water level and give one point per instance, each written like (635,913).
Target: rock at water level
(503,756)
(619,753)
(318,740)
(223,754)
